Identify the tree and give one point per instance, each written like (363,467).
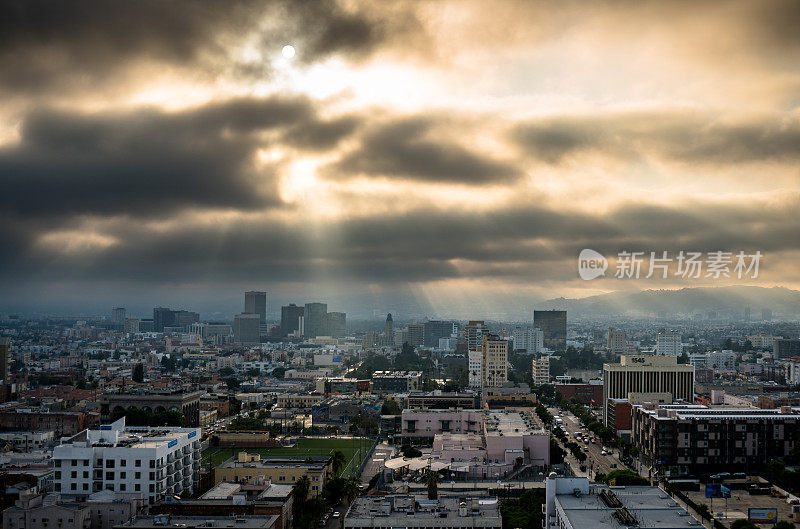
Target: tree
(390,407)
(703,511)
(352,486)
(226,372)
(337,462)
(410,451)
(783,524)
(138,373)
(232,382)
(625,476)
(279,372)
(525,511)
(432,480)
(744,524)
(300,492)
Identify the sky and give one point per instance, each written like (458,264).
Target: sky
(449,157)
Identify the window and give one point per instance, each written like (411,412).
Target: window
(109,476)
(73,474)
(109,463)
(138,462)
(152,488)
(58,474)
(122,486)
(73,486)
(152,463)
(137,487)
(85,474)
(123,462)
(122,475)
(85,486)
(138,475)
(152,475)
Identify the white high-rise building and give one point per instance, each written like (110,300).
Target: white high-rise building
(668,343)
(541,370)
(475,366)
(159,462)
(528,339)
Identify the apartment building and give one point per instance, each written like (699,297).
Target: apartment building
(541,370)
(690,438)
(156,461)
(280,470)
(423,425)
(396,381)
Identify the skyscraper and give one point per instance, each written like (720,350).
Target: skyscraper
(290,319)
(389,330)
(488,363)
(336,324)
(255,302)
(118,317)
(163,317)
(416,334)
(668,343)
(473,333)
(4,345)
(315,319)
(438,329)
(246,329)
(553,324)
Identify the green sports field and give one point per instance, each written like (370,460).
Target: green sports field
(354,450)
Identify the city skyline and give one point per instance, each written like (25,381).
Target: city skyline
(405,156)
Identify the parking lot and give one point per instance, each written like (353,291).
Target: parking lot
(728,510)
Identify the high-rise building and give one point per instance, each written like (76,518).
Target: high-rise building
(541,370)
(528,339)
(389,333)
(246,329)
(473,334)
(616,341)
(438,329)
(747,314)
(185,318)
(553,324)
(290,319)
(5,343)
(416,334)
(488,364)
(315,319)
(786,347)
(766,314)
(668,343)
(255,302)
(638,375)
(163,317)
(336,324)
(118,317)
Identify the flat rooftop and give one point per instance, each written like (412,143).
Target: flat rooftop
(163,521)
(508,424)
(418,511)
(650,506)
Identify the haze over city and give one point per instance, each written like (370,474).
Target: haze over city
(422,157)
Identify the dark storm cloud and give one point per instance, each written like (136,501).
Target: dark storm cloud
(525,243)
(411,149)
(144,162)
(679,136)
(320,135)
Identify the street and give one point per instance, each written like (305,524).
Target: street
(596,461)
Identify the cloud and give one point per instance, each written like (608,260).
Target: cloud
(145,162)
(677,136)
(421,149)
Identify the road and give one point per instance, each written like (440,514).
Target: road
(596,461)
(382,452)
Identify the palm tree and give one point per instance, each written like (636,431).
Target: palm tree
(433,481)
(337,461)
(300,491)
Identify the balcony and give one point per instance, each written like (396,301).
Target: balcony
(196,455)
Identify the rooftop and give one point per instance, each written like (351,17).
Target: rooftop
(400,510)
(187,522)
(649,507)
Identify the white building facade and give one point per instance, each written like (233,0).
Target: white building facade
(156,461)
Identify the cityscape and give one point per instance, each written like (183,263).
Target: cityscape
(341,264)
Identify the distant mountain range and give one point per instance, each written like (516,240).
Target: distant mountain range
(727,302)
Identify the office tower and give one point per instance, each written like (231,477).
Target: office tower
(163,317)
(131,325)
(315,318)
(766,314)
(118,317)
(636,376)
(785,347)
(553,323)
(389,333)
(668,343)
(5,343)
(146,325)
(185,318)
(616,341)
(255,302)
(336,324)
(473,334)
(156,462)
(541,370)
(290,319)
(416,334)
(246,329)
(747,314)
(434,330)
(528,339)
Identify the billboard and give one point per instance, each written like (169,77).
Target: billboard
(762,515)
(717,490)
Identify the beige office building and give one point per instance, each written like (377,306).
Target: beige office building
(637,374)
(495,361)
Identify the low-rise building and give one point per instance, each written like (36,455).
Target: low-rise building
(417,511)
(27,441)
(280,470)
(396,381)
